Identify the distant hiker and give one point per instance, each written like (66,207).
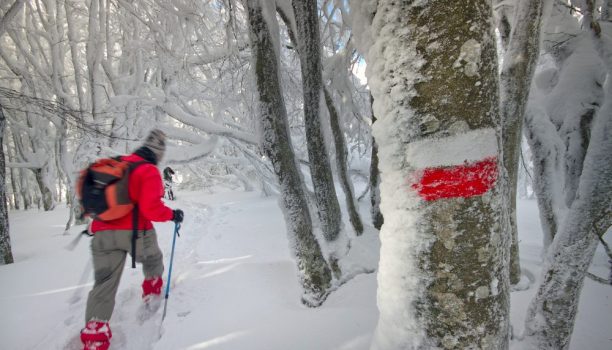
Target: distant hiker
(112,241)
(168,172)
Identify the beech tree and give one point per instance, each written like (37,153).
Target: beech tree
(575,206)
(308,42)
(6,254)
(314,273)
(443,275)
(519,60)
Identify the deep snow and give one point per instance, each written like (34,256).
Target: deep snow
(234,285)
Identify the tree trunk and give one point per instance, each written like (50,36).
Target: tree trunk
(307,35)
(6,253)
(377,217)
(46,193)
(519,63)
(25,193)
(545,168)
(314,274)
(342,163)
(10,14)
(14,185)
(552,312)
(443,276)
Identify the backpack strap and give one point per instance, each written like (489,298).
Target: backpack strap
(133,166)
(134,234)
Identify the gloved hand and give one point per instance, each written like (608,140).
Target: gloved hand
(177,216)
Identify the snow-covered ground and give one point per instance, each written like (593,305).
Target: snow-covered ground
(234,285)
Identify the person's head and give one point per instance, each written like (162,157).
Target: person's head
(154,146)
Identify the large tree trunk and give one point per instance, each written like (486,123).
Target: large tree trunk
(307,35)
(342,164)
(314,274)
(6,254)
(443,276)
(519,63)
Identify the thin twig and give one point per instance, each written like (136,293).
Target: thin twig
(56,109)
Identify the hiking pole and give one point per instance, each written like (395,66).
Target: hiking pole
(177,226)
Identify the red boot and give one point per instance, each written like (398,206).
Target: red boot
(96,335)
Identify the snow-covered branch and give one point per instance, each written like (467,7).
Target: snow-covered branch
(203,123)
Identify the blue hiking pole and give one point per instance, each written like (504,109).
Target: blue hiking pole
(177,226)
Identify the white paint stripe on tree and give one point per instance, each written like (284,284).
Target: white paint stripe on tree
(472,146)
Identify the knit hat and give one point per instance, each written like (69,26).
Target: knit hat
(156,142)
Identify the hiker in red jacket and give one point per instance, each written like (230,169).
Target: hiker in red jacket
(112,241)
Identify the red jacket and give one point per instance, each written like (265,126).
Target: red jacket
(146,190)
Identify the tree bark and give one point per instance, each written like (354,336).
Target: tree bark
(47,196)
(377,218)
(342,163)
(517,72)
(443,275)
(6,253)
(307,35)
(14,185)
(314,274)
(545,168)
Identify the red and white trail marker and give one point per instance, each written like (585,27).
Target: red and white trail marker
(463,165)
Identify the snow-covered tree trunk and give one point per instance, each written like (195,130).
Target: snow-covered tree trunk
(6,254)
(10,14)
(14,177)
(519,62)
(314,273)
(76,63)
(342,164)
(23,182)
(307,36)
(552,312)
(545,154)
(94,55)
(23,178)
(47,195)
(443,275)
(503,11)
(377,217)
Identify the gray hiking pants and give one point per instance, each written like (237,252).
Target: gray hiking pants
(109,250)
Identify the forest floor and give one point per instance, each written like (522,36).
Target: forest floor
(234,285)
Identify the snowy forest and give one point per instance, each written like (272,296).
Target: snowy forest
(397,140)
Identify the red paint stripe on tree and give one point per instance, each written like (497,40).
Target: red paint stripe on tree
(468,180)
